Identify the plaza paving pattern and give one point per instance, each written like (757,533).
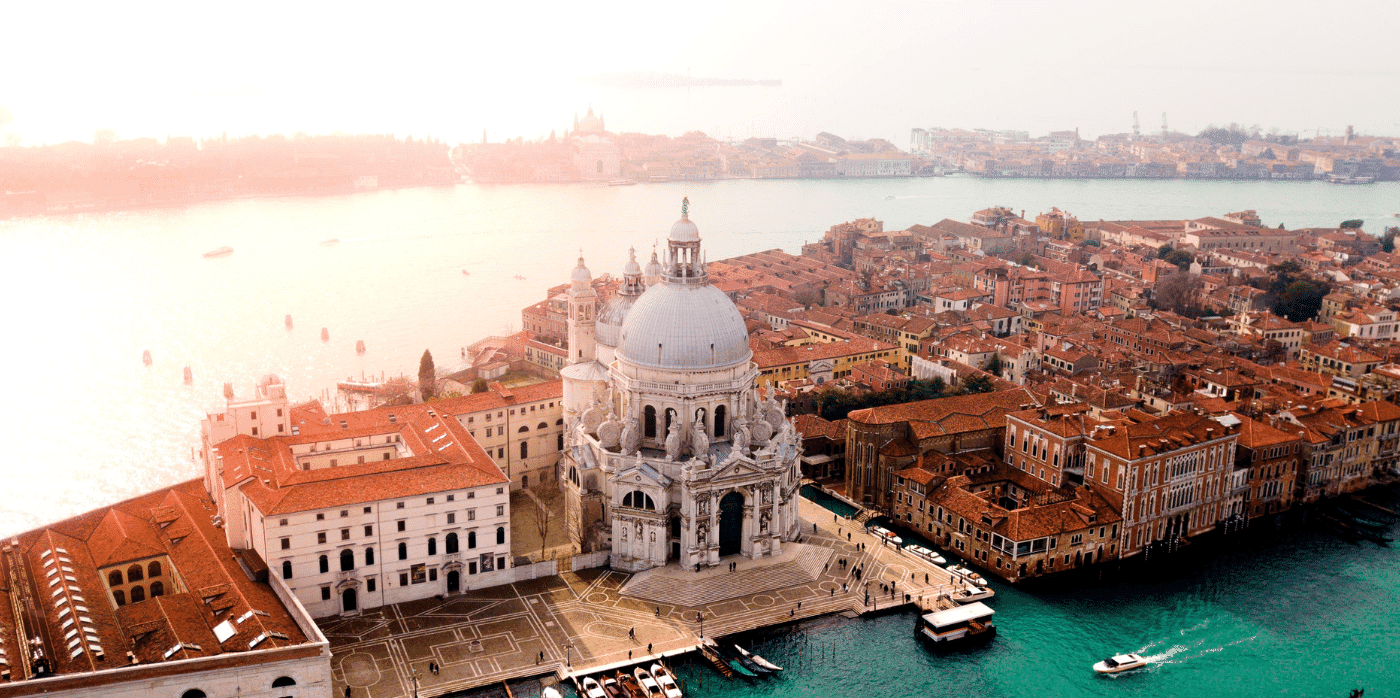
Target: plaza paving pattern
(585,620)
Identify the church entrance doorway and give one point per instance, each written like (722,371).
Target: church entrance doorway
(347,600)
(454,581)
(731,524)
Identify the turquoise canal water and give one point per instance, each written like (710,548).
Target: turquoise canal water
(1266,613)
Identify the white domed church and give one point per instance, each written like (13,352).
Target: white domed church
(672,455)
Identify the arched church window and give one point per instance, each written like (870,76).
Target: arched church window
(522,430)
(719,421)
(524,449)
(543,425)
(649,422)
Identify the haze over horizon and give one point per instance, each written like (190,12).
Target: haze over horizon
(451,72)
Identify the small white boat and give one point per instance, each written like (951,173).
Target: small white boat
(758,660)
(648,683)
(551,692)
(957,627)
(222,251)
(923,553)
(666,681)
(965,574)
(971,593)
(886,534)
(332,241)
(591,689)
(1119,663)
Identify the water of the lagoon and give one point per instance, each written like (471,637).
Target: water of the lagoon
(89,424)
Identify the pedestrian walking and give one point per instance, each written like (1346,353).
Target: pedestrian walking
(658,608)
(632,633)
(629,654)
(648,648)
(347,692)
(926,578)
(814,528)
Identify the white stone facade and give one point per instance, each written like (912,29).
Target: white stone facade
(671,454)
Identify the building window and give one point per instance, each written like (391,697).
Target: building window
(325,593)
(325,563)
(369,583)
(321,537)
(403,579)
(451,497)
(369,556)
(402,525)
(451,543)
(369,530)
(432,546)
(500,510)
(347,560)
(471,515)
(649,422)
(524,450)
(471,539)
(430,501)
(345,534)
(119,597)
(403,551)
(320,517)
(451,517)
(500,535)
(286,545)
(286,569)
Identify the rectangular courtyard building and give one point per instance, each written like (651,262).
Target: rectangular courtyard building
(360,509)
(146,598)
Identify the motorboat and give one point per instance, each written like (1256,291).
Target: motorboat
(886,534)
(631,686)
(923,553)
(1119,663)
(612,688)
(665,681)
(648,683)
(957,627)
(966,575)
(971,593)
(221,252)
(591,689)
(758,660)
(551,692)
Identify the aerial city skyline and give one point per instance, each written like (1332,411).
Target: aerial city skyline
(623,352)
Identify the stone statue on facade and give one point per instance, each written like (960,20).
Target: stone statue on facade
(741,437)
(701,530)
(630,439)
(673,442)
(763,521)
(699,440)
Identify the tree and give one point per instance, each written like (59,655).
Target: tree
(479,386)
(1181,258)
(1388,240)
(1179,293)
(1164,250)
(427,375)
(1092,243)
(1301,300)
(978,384)
(1026,260)
(1353,224)
(937,386)
(994,366)
(542,519)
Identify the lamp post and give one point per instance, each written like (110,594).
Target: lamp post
(701,616)
(568,655)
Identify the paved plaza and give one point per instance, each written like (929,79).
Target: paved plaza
(589,620)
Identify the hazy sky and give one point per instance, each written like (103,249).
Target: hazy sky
(864,69)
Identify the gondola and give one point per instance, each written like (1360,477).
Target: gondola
(758,660)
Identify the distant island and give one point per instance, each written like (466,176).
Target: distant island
(1230,152)
(111,174)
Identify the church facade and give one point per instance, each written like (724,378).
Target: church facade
(671,453)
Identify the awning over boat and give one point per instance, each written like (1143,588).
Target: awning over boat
(961,614)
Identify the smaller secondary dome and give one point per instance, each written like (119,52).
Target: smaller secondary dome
(590,123)
(581,277)
(632,268)
(684,231)
(654,266)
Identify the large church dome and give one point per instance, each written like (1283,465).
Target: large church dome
(678,326)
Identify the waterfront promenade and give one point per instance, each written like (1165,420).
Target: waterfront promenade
(594,619)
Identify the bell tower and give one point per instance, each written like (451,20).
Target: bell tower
(583,316)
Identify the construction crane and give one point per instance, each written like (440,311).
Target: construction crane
(1136,129)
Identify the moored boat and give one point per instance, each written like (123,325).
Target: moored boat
(591,689)
(221,252)
(886,534)
(957,627)
(612,687)
(665,680)
(551,692)
(923,553)
(648,683)
(630,685)
(739,661)
(971,593)
(758,660)
(1119,663)
(965,574)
